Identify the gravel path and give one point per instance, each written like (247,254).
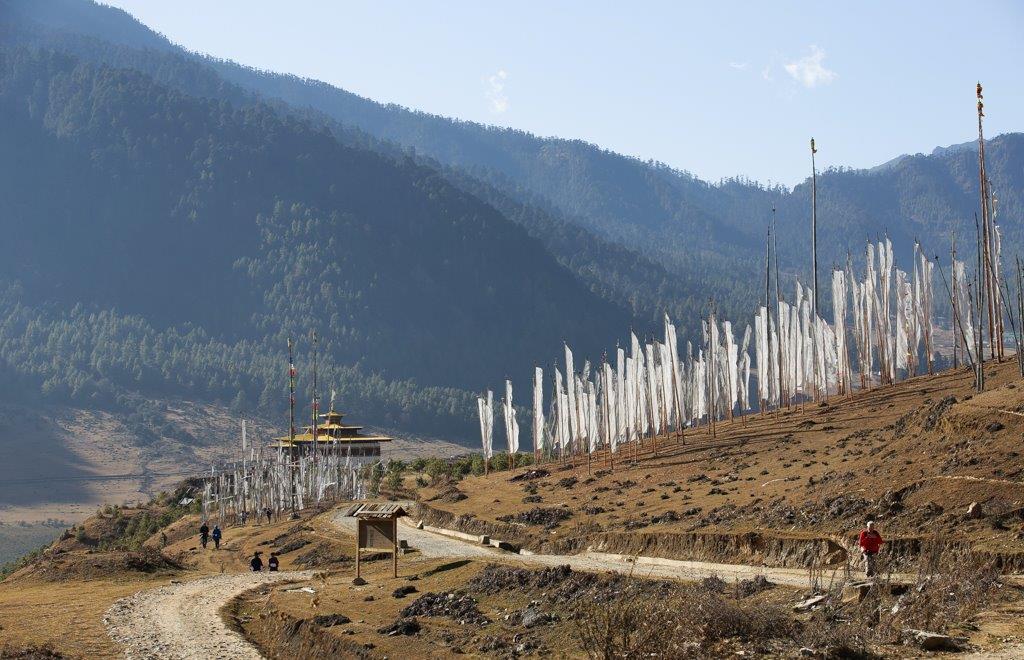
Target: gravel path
(183,620)
(434,545)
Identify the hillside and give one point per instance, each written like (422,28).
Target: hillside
(767,566)
(212,229)
(786,488)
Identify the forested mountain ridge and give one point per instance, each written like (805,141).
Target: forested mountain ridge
(220,230)
(615,272)
(709,236)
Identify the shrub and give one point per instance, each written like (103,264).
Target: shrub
(394,480)
(437,468)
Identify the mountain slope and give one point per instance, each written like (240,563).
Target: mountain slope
(615,272)
(233,227)
(641,235)
(696,231)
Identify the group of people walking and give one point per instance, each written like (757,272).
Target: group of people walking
(205,536)
(255,564)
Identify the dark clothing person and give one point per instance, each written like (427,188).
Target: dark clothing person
(204,535)
(216,537)
(268,512)
(256,564)
(273,563)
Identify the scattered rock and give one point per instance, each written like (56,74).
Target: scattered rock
(808,604)
(994,427)
(754,586)
(547,517)
(713,584)
(328,620)
(665,518)
(534,616)
(530,475)
(408,626)
(456,605)
(292,545)
(404,591)
(929,641)
(974,511)
(449,495)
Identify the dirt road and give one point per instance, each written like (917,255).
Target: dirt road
(434,545)
(183,620)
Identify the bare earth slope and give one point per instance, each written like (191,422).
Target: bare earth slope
(783,489)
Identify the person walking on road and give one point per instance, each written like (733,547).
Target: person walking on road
(204,534)
(216,537)
(256,564)
(870,543)
(268,512)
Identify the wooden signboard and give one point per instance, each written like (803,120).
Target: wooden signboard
(377,535)
(376,531)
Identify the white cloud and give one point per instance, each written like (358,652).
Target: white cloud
(494,91)
(739,66)
(810,70)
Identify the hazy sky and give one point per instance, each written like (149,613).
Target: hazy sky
(716,88)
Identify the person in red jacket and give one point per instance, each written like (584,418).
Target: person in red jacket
(870,543)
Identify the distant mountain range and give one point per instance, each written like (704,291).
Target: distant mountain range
(172,218)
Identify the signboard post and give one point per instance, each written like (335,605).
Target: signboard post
(376,531)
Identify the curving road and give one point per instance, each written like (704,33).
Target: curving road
(433,545)
(183,620)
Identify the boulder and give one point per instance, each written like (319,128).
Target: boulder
(409,626)
(974,511)
(929,641)
(855,592)
(808,604)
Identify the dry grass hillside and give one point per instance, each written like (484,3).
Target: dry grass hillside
(783,489)
(787,490)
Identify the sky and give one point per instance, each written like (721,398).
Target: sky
(719,89)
